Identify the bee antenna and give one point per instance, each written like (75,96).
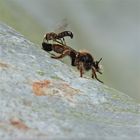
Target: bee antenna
(71,35)
(99,60)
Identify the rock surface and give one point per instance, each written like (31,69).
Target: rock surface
(43,98)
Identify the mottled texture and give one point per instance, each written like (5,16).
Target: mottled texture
(44,98)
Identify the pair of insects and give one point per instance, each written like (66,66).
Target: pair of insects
(81,59)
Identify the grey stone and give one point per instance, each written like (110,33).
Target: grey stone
(43,98)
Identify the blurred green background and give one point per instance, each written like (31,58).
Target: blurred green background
(107,28)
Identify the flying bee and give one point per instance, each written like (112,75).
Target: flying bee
(60,36)
(82,60)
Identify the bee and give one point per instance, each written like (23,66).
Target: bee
(80,59)
(60,49)
(55,37)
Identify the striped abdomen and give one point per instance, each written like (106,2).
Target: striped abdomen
(64,34)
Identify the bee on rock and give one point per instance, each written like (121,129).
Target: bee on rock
(81,59)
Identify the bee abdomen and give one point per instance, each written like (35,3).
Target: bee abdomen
(47,47)
(65,33)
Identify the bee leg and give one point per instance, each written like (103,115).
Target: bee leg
(81,72)
(64,41)
(65,53)
(80,67)
(73,63)
(59,41)
(94,75)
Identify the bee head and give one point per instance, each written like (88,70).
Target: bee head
(97,66)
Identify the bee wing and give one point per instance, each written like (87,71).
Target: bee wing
(61,26)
